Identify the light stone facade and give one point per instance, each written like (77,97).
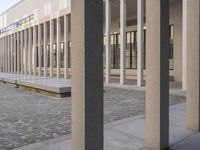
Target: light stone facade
(41,61)
(171,46)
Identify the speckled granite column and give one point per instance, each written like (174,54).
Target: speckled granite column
(87,74)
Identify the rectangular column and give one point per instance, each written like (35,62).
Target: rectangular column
(34,50)
(15,54)
(51,47)
(11,53)
(58,46)
(45,49)
(193,98)
(9,46)
(39,50)
(66,48)
(25,51)
(18,52)
(4,54)
(122,41)
(184,43)
(87,67)
(30,51)
(108,39)
(140,42)
(7,54)
(157,81)
(22,49)
(1,55)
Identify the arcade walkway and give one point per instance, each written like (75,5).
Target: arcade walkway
(27,118)
(128,134)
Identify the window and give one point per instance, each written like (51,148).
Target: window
(62,54)
(48,55)
(171,50)
(37,59)
(69,54)
(115,51)
(55,55)
(42,56)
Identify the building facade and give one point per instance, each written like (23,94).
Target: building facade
(152,46)
(30,34)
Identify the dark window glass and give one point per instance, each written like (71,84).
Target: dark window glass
(42,56)
(55,55)
(37,60)
(48,55)
(62,54)
(69,54)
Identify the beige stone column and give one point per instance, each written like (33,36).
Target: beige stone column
(22,56)
(25,51)
(58,45)
(66,48)
(140,42)
(157,80)
(18,53)
(87,67)
(184,44)
(108,39)
(39,50)
(3,59)
(30,51)
(0,55)
(7,54)
(192,102)
(45,49)
(15,53)
(4,54)
(51,47)
(122,41)
(9,51)
(34,50)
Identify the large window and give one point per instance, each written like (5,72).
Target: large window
(115,51)
(131,50)
(42,56)
(37,55)
(69,54)
(171,51)
(48,55)
(55,55)
(62,54)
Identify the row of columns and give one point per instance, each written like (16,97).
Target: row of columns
(140,37)
(140,42)
(19,49)
(87,95)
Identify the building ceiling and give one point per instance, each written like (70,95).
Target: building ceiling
(131,8)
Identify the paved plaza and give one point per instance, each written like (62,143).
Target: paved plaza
(27,118)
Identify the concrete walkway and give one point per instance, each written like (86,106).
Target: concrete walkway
(35,82)
(129,134)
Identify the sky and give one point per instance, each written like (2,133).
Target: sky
(5,4)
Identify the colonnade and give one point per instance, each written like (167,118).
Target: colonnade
(28,50)
(140,43)
(87,106)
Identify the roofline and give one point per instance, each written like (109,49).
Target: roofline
(11,7)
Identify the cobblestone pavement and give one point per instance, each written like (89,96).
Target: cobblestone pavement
(27,118)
